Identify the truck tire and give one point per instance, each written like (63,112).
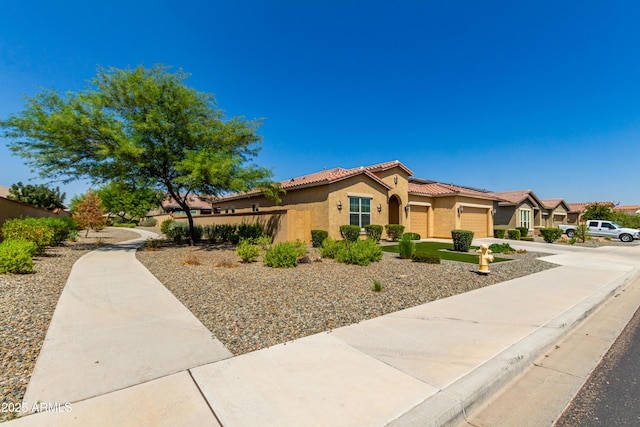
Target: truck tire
(571,233)
(626,238)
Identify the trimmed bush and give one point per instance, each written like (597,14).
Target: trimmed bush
(406,247)
(498,233)
(527,239)
(514,234)
(374,232)
(248,251)
(550,235)
(148,222)
(29,229)
(498,248)
(317,237)
(350,233)
(282,255)
(426,258)
(412,236)
(461,240)
(394,231)
(166,225)
(362,252)
(524,231)
(16,256)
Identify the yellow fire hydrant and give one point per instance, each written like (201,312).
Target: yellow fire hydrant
(485,258)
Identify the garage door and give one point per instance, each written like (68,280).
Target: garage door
(418,218)
(476,220)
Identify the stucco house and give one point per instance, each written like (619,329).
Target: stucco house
(577,209)
(380,194)
(555,212)
(630,209)
(518,208)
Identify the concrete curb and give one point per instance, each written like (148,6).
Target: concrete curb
(450,405)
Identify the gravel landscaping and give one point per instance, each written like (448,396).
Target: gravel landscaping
(246,306)
(250,306)
(27,303)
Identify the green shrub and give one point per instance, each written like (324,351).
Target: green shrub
(16,256)
(406,247)
(148,222)
(377,285)
(248,251)
(166,225)
(178,232)
(550,235)
(30,229)
(362,252)
(126,224)
(317,237)
(250,231)
(514,234)
(427,258)
(330,247)
(498,233)
(527,239)
(412,236)
(461,240)
(263,241)
(350,233)
(62,227)
(374,232)
(498,248)
(152,244)
(524,231)
(283,255)
(394,231)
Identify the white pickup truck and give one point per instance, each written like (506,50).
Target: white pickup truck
(598,228)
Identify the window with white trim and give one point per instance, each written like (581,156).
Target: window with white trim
(359,211)
(525,218)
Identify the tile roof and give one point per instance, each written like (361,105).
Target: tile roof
(579,207)
(627,208)
(4,191)
(515,197)
(440,189)
(551,203)
(327,177)
(193,201)
(388,165)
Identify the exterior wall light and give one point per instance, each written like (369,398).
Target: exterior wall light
(494,211)
(460,209)
(379,207)
(406,209)
(339,205)
(395,179)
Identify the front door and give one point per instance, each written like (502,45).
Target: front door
(394,210)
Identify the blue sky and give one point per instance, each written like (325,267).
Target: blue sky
(500,95)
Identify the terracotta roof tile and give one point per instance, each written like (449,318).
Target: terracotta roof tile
(193,201)
(579,207)
(439,189)
(4,191)
(388,165)
(516,196)
(551,203)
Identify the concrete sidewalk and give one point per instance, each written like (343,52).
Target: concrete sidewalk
(423,366)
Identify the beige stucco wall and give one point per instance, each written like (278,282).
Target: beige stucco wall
(275,223)
(11,209)
(339,191)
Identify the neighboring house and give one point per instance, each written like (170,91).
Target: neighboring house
(555,212)
(519,208)
(379,194)
(196,205)
(577,209)
(630,209)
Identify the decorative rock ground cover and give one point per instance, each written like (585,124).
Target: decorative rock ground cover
(27,303)
(251,306)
